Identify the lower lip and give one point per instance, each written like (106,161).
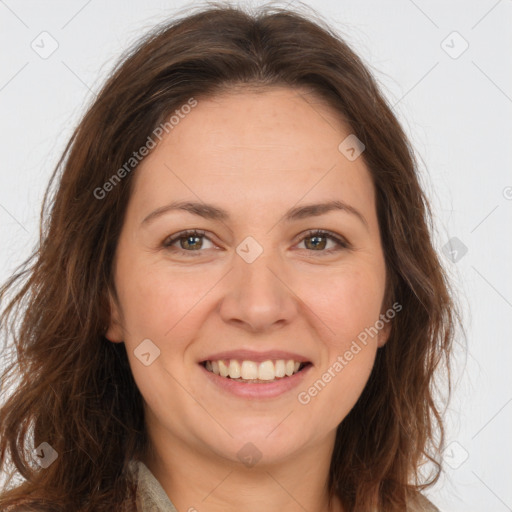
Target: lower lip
(257,390)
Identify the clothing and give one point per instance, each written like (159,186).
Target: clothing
(423,505)
(151,496)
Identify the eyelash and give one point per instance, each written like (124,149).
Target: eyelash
(342,244)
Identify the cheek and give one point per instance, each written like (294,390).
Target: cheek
(348,302)
(156,298)
(351,306)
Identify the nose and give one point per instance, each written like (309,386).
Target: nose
(257,297)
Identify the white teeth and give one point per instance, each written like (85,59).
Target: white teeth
(223,369)
(234,369)
(266,371)
(280,368)
(250,370)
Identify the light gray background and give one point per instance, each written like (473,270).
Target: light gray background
(456,109)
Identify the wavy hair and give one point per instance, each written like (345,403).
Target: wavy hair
(64,383)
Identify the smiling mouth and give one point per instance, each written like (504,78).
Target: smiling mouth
(253,372)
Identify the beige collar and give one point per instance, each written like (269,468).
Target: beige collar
(151,496)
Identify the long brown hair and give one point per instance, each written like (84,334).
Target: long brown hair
(66,385)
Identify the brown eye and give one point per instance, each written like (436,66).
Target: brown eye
(189,241)
(317,241)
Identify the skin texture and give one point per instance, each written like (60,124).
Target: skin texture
(254,154)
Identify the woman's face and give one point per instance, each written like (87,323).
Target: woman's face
(257,286)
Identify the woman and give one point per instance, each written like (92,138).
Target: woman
(236,304)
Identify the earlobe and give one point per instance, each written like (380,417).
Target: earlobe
(384,334)
(388,314)
(114,330)
(113,334)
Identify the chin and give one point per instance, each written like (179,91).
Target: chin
(260,442)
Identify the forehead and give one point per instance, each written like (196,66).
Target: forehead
(266,146)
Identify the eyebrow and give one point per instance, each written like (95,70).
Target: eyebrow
(212,212)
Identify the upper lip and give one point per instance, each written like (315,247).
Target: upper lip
(258,357)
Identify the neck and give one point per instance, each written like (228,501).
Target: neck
(200,480)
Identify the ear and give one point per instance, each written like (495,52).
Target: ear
(387,307)
(114,330)
(384,333)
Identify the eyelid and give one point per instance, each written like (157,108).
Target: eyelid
(183,234)
(342,242)
(325,233)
